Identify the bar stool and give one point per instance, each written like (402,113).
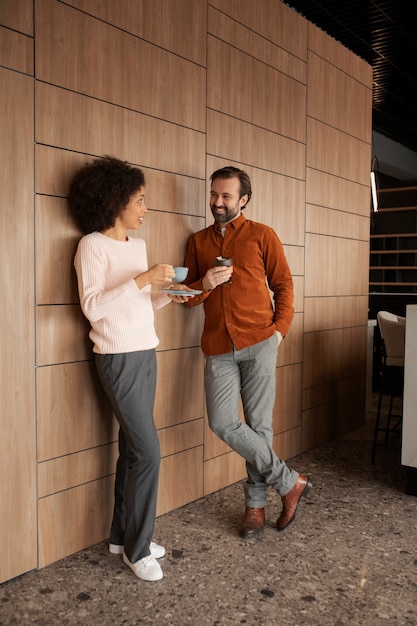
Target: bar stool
(392,330)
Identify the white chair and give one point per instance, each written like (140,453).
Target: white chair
(392,331)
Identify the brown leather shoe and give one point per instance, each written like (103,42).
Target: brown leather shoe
(252,522)
(291,500)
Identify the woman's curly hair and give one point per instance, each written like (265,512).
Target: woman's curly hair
(100,191)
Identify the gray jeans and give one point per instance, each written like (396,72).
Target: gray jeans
(249,373)
(129,380)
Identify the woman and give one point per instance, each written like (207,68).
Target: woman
(107,198)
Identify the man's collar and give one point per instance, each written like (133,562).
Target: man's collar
(236,223)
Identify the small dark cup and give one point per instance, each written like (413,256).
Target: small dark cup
(223,262)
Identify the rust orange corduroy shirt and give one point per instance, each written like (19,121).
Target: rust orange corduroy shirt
(241,314)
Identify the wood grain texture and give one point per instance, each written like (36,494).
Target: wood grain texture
(56,280)
(181,480)
(275,101)
(223,470)
(229,138)
(91,504)
(96,127)
(273,21)
(17,15)
(61,335)
(180,387)
(73,412)
(17,449)
(178,26)
(16,51)
(179,89)
(68,471)
(77,52)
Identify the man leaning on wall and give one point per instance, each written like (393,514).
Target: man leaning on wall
(242,333)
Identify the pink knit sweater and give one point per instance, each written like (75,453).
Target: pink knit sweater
(120,314)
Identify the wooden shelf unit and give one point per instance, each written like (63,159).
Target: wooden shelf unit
(393,250)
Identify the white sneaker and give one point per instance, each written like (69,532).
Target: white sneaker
(114,548)
(145,569)
(156,551)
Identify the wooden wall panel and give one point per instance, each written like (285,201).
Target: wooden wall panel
(328,48)
(166,235)
(295,258)
(221,471)
(177,194)
(229,139)
(337,153)
(178,26)
(76,51)
(279,202)
(336,223)
(291,350)
(262,48)
(343,266)
(129,79)
(180,480)
(167,192)
(298,282)
(74,519)
(98,128)
(180,387)
(16,51)
(17,15)
(73,412)
(272,20)
(54,255)
(344,98)
(181,437)
(331,391)
(335,312)
(336,193)
(275,101)
(178,326)
(55,168)
(319,424)
(287,409)
(288,444)
(74,469)
(17,446)
(330,355)
(61,334)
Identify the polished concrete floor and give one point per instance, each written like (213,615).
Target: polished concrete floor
(350,558)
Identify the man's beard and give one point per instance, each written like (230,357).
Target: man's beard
(227,216)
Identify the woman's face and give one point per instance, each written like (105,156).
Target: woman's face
(132,215)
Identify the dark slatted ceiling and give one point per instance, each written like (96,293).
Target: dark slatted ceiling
(384,33)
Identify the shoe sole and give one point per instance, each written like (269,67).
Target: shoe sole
(253,534)
(304,494)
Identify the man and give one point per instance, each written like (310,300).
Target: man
(240,340)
